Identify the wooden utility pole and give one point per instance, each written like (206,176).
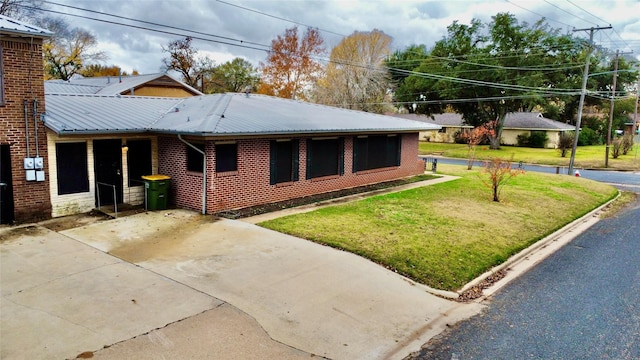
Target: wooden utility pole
(613,96)
(585,76)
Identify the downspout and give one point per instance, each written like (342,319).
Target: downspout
(26,123)
(204,173)
(35,124)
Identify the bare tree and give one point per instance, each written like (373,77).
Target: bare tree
(355,77)
(20,9)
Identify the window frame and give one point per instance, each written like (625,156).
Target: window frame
(276,157)
(226,152)
(67,173)
(194,159)
(317,154)
(364,155)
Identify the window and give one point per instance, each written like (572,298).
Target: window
(325,157)
(442,130)
(138,160)
(226,157)
(71,164)
(284,161)
(377,151)
(194,158)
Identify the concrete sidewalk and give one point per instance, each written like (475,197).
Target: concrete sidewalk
(310,297)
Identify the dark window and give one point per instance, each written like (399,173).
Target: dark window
(71,163)
(374,152)
(325,157)
(226,157)
(138,160)
(284,161)
(442,130)
(194,158)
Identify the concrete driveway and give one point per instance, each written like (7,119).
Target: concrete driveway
(310,297)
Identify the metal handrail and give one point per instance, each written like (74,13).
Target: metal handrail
(115,198)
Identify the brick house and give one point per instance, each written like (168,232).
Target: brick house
(222,151)
(24,171)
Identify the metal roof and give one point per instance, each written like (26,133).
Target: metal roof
(18,28)
(108,85)
(228,114)
(95,114)
(515,120)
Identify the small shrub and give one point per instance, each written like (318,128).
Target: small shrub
(565,142)
(587,137)
(500,172)
(538,139)
(627,143)
(617,145)
(523,140)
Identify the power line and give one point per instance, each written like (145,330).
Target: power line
(280,18)
(570,13)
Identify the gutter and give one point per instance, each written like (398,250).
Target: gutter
(204,173)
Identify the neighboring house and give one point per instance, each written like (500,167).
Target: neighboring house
(449,125)
(161,85)
(518,123)
(629,125)
(257,149)
(24,169)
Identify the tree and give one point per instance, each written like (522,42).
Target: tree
(232,76)
(291,68)
(183,59)
(500,172)
(20,9)
(96,70)
(475,137)
(565,142)
(355,77)
(68,50)
(484,71)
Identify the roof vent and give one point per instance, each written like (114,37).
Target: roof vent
(177,109)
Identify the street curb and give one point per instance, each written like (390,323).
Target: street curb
(536,252)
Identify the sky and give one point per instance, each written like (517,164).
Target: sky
(225,29)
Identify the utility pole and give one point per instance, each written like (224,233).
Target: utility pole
(583,93)
(613,95)
(635,121)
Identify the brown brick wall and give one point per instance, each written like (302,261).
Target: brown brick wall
(23,79)
(250,184)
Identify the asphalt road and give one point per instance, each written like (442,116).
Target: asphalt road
(583,302)
(625,180)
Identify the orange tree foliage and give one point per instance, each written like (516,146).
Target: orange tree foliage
(500,172)
(475,137)
(291,68)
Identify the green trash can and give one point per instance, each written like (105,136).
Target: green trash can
(156,191)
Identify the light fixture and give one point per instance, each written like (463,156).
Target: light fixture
(125,148)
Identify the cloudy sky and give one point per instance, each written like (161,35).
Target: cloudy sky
(224,29)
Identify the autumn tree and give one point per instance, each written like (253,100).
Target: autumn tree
(355,77)
(500,172)
(232,76)
(292,67)
(96,70)
(68,50)
(474,137)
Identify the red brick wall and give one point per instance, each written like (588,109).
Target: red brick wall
(23,79)
(250,184)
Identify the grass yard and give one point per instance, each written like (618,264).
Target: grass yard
(447,234)
(586,156)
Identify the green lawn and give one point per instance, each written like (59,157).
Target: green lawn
(586,156)
(447,234)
